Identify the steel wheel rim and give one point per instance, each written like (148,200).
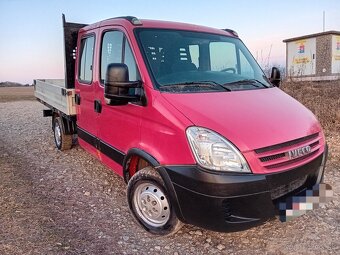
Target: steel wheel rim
(151,204)
(57,134)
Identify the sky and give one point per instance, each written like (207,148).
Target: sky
(31,42)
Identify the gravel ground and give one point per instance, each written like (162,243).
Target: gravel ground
(54,202)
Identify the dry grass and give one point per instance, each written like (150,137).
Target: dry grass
(16,93)
(322,98)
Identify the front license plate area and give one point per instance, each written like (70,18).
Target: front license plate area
(310,199)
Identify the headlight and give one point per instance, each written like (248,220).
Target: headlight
(214,152)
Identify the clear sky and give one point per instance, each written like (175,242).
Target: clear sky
(31,43)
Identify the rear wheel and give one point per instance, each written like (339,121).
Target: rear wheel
(62,141)
(149,203)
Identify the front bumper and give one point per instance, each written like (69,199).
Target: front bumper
(233,202)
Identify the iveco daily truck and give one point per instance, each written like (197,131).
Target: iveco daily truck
(187,117)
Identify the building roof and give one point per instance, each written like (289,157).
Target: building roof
(332,32)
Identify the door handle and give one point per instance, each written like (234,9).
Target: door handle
(97,106)
(77,99)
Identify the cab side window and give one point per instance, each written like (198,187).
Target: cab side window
(116,49)
(129,60)
(86,59)
(111,51)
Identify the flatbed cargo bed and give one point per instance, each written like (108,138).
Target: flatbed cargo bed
(52,93)
(59,94)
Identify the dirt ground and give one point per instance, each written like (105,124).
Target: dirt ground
(54,202)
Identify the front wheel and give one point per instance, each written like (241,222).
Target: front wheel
(149,203)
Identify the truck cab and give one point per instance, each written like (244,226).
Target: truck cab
(187,117)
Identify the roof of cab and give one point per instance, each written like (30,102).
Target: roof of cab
(125,22)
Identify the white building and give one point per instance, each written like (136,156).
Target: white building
(313,57)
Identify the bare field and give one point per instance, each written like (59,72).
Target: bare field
(8,94)
(54,202)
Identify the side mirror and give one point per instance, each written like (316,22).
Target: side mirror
(117,85)
(275,77)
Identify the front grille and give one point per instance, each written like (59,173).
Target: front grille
(286,144)
(272,157)
(314,144)
(292,160)
(277,156)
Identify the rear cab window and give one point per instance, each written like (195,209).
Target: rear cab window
(85,72)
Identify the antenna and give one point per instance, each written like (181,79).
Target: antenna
(324,20)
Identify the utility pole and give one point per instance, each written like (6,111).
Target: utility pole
(324,20)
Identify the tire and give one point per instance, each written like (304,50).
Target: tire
(62,140)
(149,203)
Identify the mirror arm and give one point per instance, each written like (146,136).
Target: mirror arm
(128,84)
(130,98)
(275,77)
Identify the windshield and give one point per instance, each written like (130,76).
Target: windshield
(186,60)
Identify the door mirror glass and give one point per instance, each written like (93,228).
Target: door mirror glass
(117,85)
(275,77)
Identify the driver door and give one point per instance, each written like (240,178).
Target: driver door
(119,125)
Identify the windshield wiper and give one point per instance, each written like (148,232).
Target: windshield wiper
(195,84)
(253,82)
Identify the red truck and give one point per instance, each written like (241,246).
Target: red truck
(187,117)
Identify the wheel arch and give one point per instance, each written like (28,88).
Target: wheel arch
(68,122)
(161,170)
(135,152)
